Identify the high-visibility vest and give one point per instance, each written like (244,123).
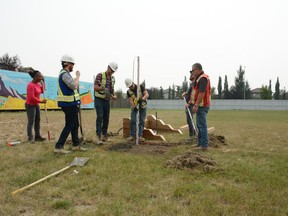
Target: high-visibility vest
(143,105)
(101,94)
(195,91)
(65,95)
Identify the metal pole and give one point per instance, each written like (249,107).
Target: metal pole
(138,93)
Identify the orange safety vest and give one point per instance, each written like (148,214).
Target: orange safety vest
(195,91)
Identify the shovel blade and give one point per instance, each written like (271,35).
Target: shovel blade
(79,161)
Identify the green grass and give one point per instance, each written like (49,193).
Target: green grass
(250,178)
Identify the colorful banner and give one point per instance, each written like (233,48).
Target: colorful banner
(13,91)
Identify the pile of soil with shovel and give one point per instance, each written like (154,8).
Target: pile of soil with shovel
(192,160)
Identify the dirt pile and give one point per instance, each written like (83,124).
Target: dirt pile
(216,141)
(192,160)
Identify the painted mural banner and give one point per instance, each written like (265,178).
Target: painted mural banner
(13,91)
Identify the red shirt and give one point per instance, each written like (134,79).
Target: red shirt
(33,93)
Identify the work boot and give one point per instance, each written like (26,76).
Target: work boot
(78,148)
(105,138)
(141,139)
(130,138)
(201,148)
(99,140)
(39,138)
(31,141)
(61,151)
(190,139)
(195,146)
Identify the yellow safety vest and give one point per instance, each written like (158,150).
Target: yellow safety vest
(101,94)
(143,105)
(69,95)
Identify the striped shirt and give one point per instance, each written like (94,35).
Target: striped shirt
(98,81)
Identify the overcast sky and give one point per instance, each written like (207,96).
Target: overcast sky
(169,36)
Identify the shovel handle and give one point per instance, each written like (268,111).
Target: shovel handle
(40,180)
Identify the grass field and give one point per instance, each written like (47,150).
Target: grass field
(250,176)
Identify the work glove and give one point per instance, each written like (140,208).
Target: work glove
(140,100)
(135,109)
(107,93)
(135,101)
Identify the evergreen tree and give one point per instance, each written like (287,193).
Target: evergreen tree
(169,93)
(161,93)
(277,90)
(173,92)
(143,84)
(270,85)
(283,94)
(178,92)
(185,85)
(220,87)
(226,89)
(241,90)
(213,95)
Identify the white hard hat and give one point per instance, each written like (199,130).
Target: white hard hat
(128,82)
(113,66)
(67,58)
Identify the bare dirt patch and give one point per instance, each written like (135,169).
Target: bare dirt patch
(159,148)
(192,160)
(151,149)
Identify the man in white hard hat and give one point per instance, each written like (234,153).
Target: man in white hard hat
(134,102)
(103,92)
(68,99)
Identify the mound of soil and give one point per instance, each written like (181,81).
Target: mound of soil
(216,141)
(191,160)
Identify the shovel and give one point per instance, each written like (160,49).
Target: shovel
(80,161)
(45,107)
(83,140)
(191,117)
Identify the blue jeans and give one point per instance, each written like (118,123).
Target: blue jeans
(71,126)
(142,117)
(189,121)
(202,126)
(103,112)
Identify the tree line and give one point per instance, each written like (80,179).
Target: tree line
(240,89)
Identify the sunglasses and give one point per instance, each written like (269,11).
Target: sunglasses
(192,70)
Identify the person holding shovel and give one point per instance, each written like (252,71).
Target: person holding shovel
(34,89)
(103,92)
(201,104)
(189,105)
(68,99)
(142,101)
